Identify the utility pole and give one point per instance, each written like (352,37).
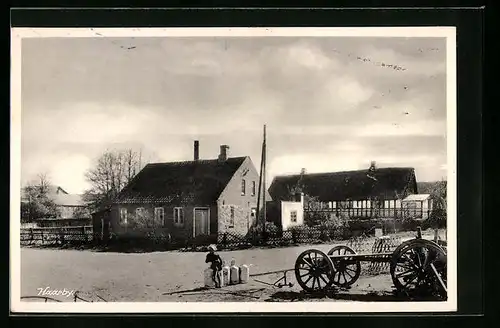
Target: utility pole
(262,185)
(264,182)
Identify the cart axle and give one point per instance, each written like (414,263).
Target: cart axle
(278,283)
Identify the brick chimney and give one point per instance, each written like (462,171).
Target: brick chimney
(196,150)
(223,153)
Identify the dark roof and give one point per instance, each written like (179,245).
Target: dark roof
(194,182)
(354,185)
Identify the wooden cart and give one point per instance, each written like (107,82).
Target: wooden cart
(417,267)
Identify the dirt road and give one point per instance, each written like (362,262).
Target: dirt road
(164,276)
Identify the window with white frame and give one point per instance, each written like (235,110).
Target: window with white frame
(231,218)
(159,216)
(293,216)
(253,188)
(123,215)
(178,216)
(243,187)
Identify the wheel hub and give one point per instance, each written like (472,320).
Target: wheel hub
(340,266)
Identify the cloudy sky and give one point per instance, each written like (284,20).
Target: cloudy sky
(330,104)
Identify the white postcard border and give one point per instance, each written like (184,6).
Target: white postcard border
(17,34)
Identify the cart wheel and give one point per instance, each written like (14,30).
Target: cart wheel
(418,268)
(313,270)
(346,269)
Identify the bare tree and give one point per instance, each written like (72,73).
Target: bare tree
(112,172)
(439,209)
(37,202)
(43,183)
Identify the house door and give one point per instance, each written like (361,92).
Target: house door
(105,228)
(201,222)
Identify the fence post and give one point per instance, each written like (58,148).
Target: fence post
(41,233)
(436,235)
(84,235)
(61,236)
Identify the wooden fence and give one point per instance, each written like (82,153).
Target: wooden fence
(56,235)
(84,236)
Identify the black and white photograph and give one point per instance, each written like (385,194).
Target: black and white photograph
(233,170)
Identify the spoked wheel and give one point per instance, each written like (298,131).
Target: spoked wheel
(418,268)
(313,270)
(346,269)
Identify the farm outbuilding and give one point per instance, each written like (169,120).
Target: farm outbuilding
(376,192)
(417,206)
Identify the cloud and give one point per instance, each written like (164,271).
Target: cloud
(411,128)
(324,108)
(63,172)
(404,128)
(308,56)
(87,122)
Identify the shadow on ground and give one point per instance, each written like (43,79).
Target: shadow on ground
(107,248)
(150,248)
(292,296)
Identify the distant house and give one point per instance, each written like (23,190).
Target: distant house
(71,209)
(70,205)
(187,199)
(376,192)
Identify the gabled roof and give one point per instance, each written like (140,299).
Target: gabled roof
(353,185)
(192,182)
(55,190)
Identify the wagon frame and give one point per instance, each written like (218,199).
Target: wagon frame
(417,267)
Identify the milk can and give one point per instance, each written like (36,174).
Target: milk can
(209,281)
(225,275)
(220,276)
(244,273)
(234,273)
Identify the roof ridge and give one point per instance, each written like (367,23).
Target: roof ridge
(193,161)
(338,172)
